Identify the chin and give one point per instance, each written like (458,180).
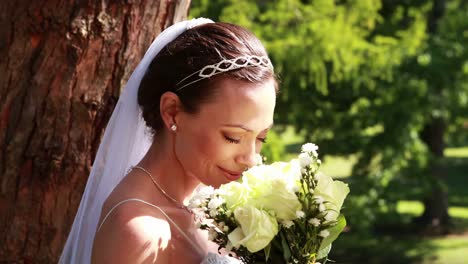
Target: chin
(216,181)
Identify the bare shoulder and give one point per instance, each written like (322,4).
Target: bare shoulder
(133,233)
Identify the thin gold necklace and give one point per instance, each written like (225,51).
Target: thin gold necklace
(178,204)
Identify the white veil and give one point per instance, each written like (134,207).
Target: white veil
(124,143)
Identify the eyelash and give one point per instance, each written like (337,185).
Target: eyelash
(236,141)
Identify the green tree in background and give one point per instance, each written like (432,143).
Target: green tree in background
(384,80)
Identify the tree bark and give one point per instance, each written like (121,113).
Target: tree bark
(62,67)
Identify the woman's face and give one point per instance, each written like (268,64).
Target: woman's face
(219,142)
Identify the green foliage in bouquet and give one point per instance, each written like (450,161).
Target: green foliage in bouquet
(283,212)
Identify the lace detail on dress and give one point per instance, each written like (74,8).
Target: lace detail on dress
(213,258)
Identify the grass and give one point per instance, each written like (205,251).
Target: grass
(456,152)
(449,250)
(402,245)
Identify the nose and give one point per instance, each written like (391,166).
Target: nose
(248,157)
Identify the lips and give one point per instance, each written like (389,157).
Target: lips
(231,175)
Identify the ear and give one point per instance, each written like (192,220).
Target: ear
(169,107)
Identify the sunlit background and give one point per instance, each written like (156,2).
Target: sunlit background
(382,88)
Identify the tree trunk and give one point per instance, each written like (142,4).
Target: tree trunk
(62,67)
(435,218)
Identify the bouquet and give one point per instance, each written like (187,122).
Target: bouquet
(285,212)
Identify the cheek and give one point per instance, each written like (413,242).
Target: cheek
(210,148)
(198,152)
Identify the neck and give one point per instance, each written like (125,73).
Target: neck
(166,170)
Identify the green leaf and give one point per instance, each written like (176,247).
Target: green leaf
(334,232)
(286,249)
(323,253)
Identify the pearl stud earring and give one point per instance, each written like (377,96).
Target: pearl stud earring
(174,127)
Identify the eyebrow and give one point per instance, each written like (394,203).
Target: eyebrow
(244,127)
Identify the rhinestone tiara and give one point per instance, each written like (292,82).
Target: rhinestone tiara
(224,66)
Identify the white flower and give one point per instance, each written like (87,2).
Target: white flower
(215,203)
(309,147)
(314,221)
(219,192)
(319,161)
(287,223)
(203,193)
(194,203)
(324,233)
(213,213)
(212,234)
(300,214)
(304,160)
(199,215)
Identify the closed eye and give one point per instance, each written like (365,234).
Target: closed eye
(237,141)
(231,140)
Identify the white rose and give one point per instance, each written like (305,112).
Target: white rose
(333,191)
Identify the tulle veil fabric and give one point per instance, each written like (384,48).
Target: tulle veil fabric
(126,140)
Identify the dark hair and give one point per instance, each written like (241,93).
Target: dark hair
(191,51)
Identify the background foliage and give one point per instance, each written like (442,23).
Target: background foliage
(364,79)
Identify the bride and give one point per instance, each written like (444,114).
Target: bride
(196,110)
